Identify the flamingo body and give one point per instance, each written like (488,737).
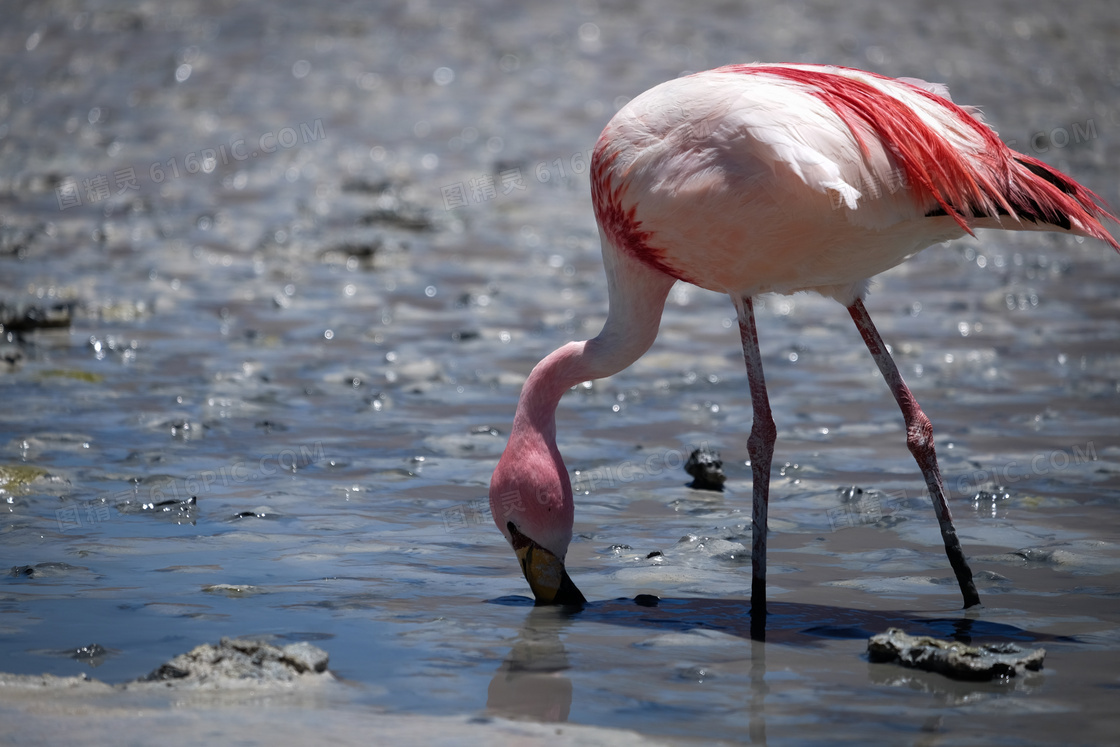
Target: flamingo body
(762,178)
(751,179)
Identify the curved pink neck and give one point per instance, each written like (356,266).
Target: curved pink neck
(556,374)
(530,487)
(637,297)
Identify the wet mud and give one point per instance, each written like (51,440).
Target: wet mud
(271,277)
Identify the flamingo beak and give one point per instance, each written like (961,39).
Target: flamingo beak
(545,572)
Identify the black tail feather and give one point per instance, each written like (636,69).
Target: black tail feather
(1026,208)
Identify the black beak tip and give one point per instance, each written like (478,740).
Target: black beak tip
(539,564)
(569,594)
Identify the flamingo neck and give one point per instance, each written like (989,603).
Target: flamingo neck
(530,487)
(564,368)
(557,373)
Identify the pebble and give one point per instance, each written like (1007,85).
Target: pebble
(706,469)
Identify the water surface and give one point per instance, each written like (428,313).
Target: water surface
(317,252)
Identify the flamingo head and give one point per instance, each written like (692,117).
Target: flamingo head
(531,503)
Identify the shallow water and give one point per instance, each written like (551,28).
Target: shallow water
(314,311)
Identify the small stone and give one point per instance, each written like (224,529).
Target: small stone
(89,653)
(954,659)
(41,570)
(706,469)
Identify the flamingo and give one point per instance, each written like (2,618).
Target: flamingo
(770,178)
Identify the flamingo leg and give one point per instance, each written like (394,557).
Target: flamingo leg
(919,439)
(760,447)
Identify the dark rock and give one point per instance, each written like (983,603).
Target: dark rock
(90,652)
(35,317)
(11,357)
(175,510)
(393,210)
(367,186)
(407,217)
(706,469)
(954,659)
(43,570)
(260,512)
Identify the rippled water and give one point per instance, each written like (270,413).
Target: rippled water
(308,257)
